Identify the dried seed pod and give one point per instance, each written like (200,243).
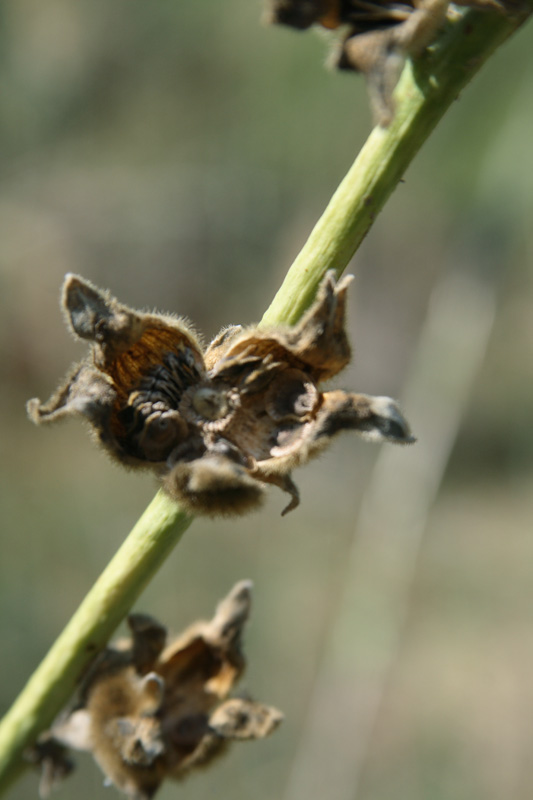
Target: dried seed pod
(148,712)
(377,36)
(217,426)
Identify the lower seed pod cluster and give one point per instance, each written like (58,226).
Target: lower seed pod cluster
(148,710)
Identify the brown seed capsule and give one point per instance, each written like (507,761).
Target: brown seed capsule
(378,35)
(150,711)
(215,426)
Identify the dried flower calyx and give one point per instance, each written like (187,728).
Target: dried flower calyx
(217,425)
(149,711)
(377,35)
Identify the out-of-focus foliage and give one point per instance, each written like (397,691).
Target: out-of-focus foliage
(179,153)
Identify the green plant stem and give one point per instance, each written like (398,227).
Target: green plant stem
(154,536)
(424,93)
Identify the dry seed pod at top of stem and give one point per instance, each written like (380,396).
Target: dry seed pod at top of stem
(377,36)
(150,710)
(219,425)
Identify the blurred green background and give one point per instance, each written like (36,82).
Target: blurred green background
(179,154)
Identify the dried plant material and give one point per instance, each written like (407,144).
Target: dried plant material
(148,712)
(377,36)
(215,426)
(53,760)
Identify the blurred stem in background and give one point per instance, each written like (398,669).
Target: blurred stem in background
(363,634)
(426,89)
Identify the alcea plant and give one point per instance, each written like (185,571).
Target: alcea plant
(427,87)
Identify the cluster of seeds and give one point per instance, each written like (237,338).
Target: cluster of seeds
(216,425)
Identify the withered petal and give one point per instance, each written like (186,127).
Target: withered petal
(320,338)
(421,26)
(291,395)
(375,419)
(300,15)
(380,54)
(277,474)
(53,760)
(85,391)
(74,730)
(244,719)
(376,55)
(115,328)
(318,343)
(138,740)
(98,317)
(192,652)
(149,638)
(151,694)
(220,344)
(231,615)
(143,728)
(213,485)
(131,384)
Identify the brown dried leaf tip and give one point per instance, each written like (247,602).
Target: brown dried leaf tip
(149,711)
(215,426)
(377,36)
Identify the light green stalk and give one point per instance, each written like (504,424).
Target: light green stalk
(154,536)
(426,90)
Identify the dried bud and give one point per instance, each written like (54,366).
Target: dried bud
(215,426)
(149,712)
(377,36)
